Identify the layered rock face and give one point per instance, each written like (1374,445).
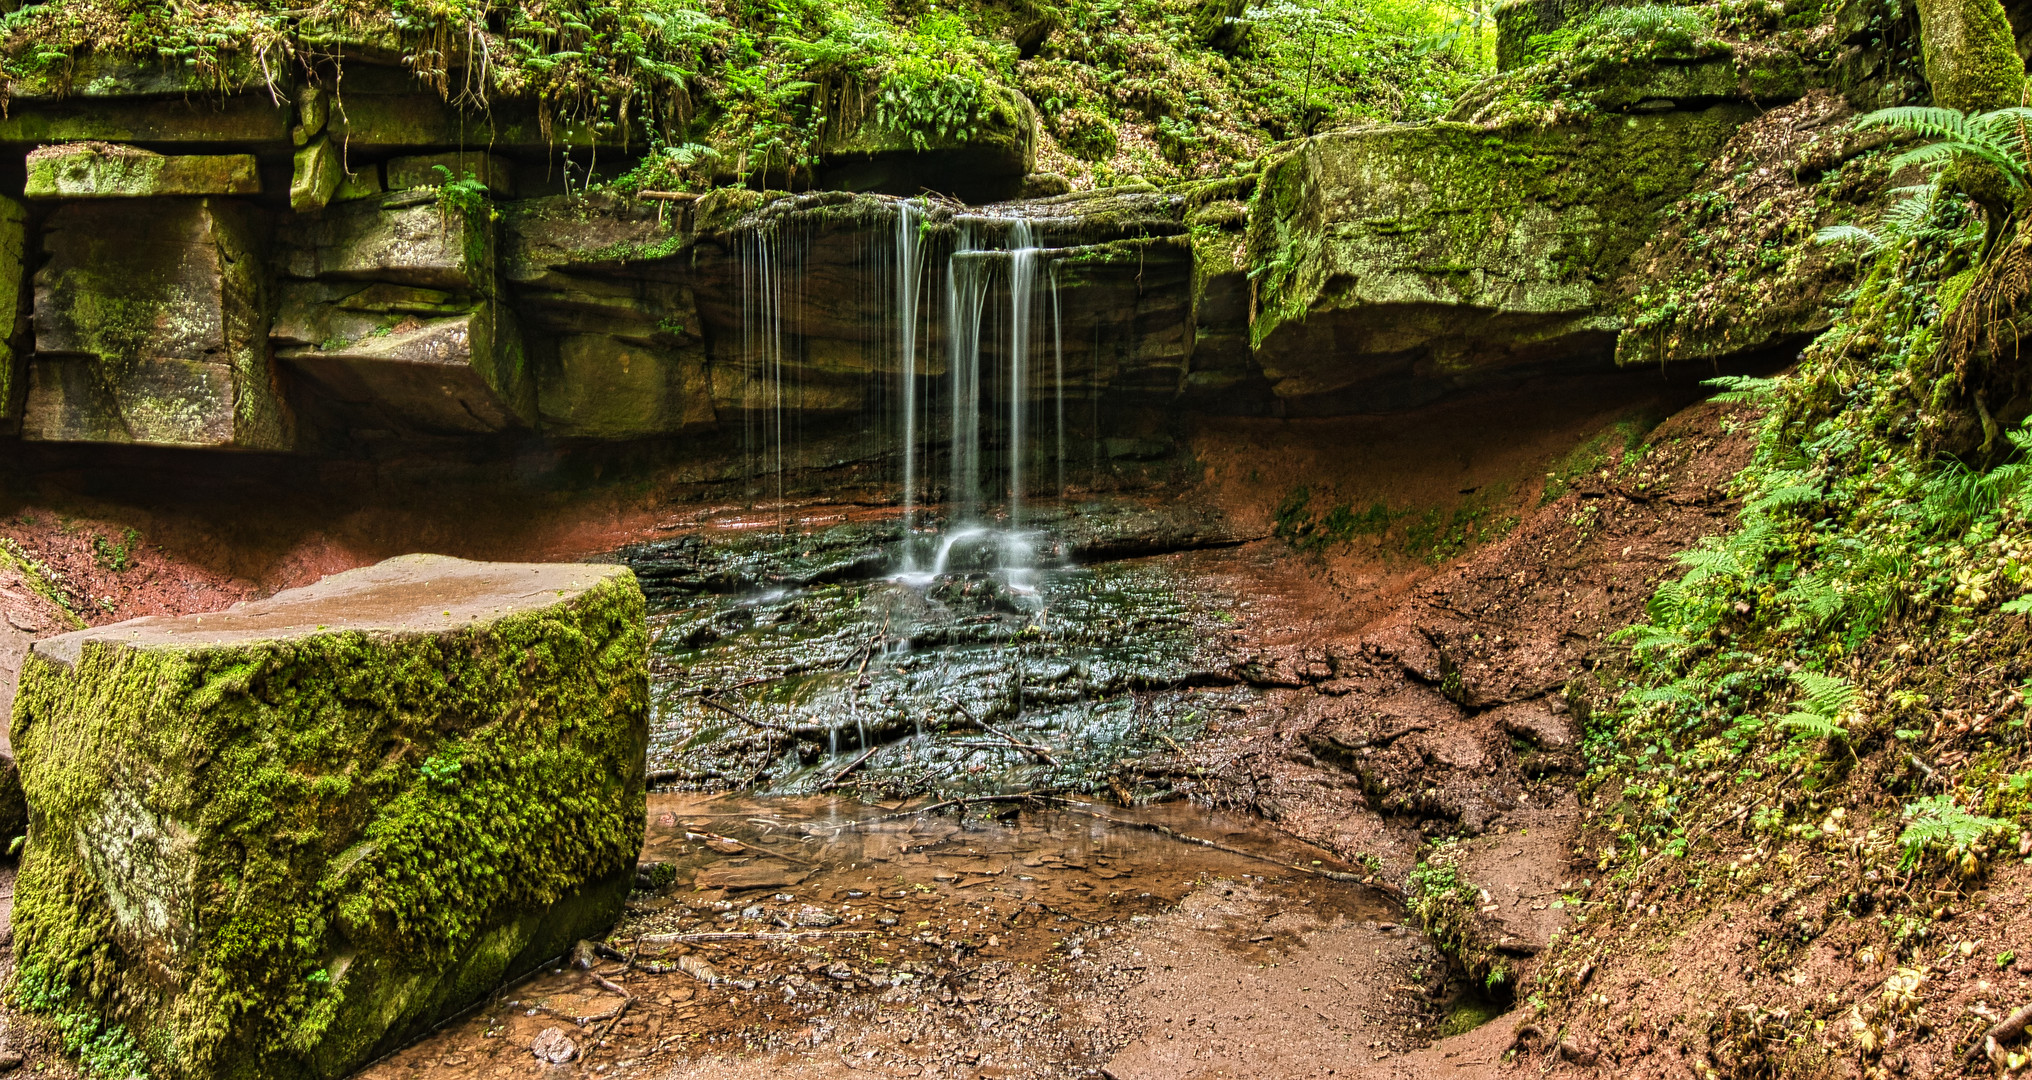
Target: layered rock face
(278,840)
(292,270)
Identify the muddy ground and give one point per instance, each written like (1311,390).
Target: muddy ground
(1405,692)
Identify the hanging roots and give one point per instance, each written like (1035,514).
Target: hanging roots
(1989,308)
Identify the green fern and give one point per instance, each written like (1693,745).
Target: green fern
(1744,390)
(1850,234)
(1644,637)
(1954,136)
(1826,695)
(1937,823)
(1810,725)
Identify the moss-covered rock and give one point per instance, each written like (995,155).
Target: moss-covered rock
(201,121)
(97,170)
(316,175)
(1394,262)
(982,162)
(149,328)
(278,840)
(400,313)
(432,170)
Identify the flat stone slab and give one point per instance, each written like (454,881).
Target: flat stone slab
(99,170)
(411,594)
(282,839)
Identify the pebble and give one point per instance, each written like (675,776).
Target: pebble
(552,1045)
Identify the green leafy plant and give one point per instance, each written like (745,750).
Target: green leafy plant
(1936,823)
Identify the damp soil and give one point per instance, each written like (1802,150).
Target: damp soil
(1054,938)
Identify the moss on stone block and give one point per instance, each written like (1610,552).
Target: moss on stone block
(234,122)
(442,376)
(277,841)
(985,161)
(316,175)
(109,73)
(151,327)
(606,388)
(433,170)
(412,244)
(1428,254)
(98,170)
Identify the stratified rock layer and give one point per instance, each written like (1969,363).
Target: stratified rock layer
(278,840)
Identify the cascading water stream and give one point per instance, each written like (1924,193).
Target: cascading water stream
(993,454)
(909,270)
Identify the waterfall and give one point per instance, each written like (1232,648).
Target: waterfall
(1022,270)
(1058,375)
(908,271)
(768,262)
(996,443)
(966,293)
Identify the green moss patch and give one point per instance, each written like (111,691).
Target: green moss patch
(278,855)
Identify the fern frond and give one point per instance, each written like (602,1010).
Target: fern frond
(1848,234)
(1936,822)
(1826,695)
(1644,637)
(1744,389)
(1924,120)
(1785,497)
(1807,725)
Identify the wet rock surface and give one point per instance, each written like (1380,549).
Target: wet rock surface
(842,668)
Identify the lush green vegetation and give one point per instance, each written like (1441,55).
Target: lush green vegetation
(1843,677)
(759,88)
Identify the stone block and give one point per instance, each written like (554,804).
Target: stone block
(111,74)
(150,327)
(417,118)
(280,840)
(988,163)
(13,278)
(415,244)
(364,184)
(316,177)
(605,388)
(199,120)
(423,171)
(313,110)
(462,375)
(1403,261)
(97,170)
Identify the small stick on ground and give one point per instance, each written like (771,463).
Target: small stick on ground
(627,999)
(743,935)
(851,766)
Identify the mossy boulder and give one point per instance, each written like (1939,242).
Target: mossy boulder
(97,170)
(1394,263)
(150,327)
(279,840)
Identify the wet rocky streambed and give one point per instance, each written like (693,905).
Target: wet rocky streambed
(887,839)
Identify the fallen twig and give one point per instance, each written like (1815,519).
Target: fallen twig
(851,766)
(2010,1027)
(743,935)
(627,999)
